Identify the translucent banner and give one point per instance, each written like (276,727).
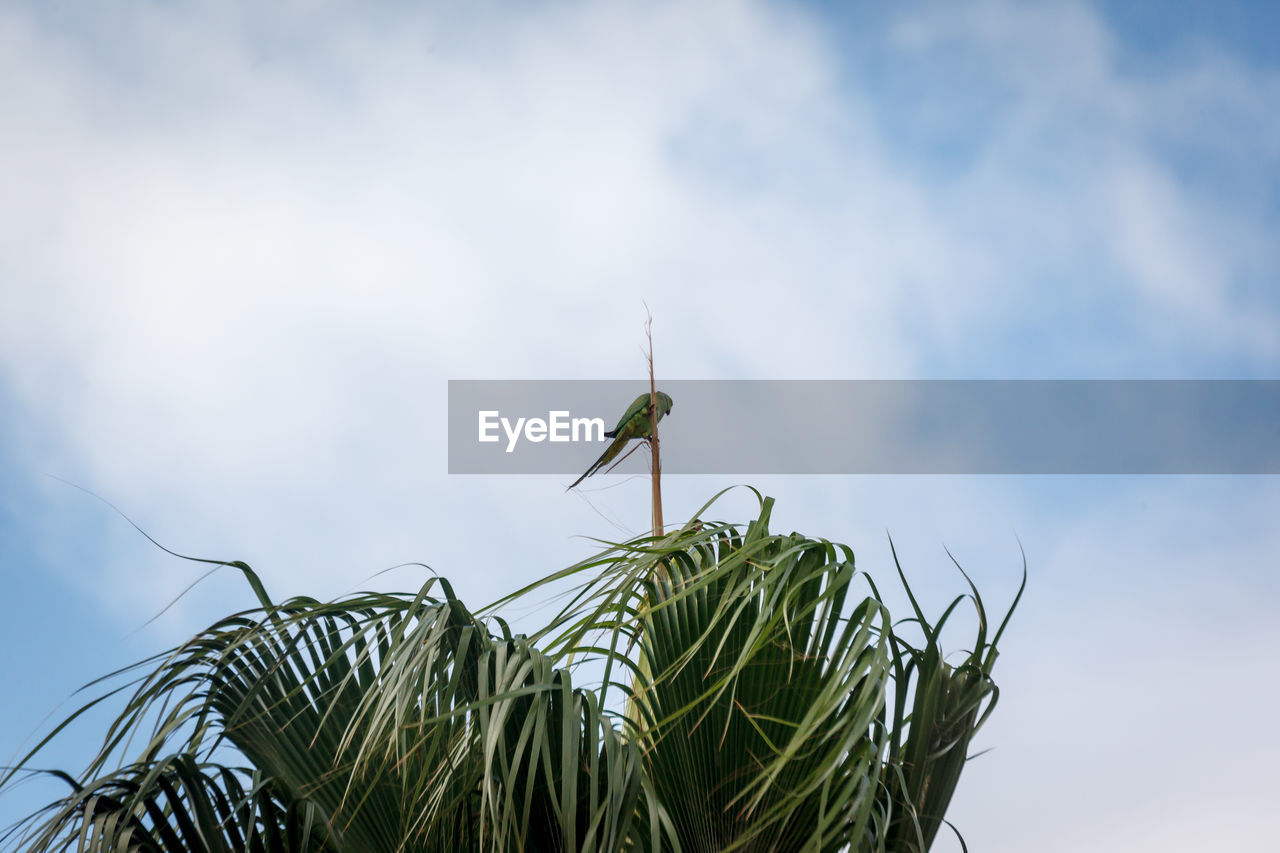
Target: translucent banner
(877,426)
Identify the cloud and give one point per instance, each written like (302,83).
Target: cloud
(241,255)
(242,249)
(239,266)
(1119,205)
(1130,672)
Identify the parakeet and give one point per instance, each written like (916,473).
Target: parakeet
(633,424)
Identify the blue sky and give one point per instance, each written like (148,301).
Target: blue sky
(243,250)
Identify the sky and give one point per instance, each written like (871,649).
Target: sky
(244,247)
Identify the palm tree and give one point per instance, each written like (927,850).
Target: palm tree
(712,689)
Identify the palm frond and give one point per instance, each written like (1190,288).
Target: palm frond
(744,697)
(174,805)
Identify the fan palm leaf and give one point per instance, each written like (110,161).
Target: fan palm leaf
(746,692)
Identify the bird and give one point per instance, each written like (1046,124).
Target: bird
(634,423)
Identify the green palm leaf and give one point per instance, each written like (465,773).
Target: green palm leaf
(743,696)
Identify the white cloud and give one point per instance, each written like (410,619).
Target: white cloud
(239,269)
(241,250)
(1109,196)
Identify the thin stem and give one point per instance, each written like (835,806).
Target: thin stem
(655,476)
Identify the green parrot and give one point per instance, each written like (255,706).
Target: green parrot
(633,424)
